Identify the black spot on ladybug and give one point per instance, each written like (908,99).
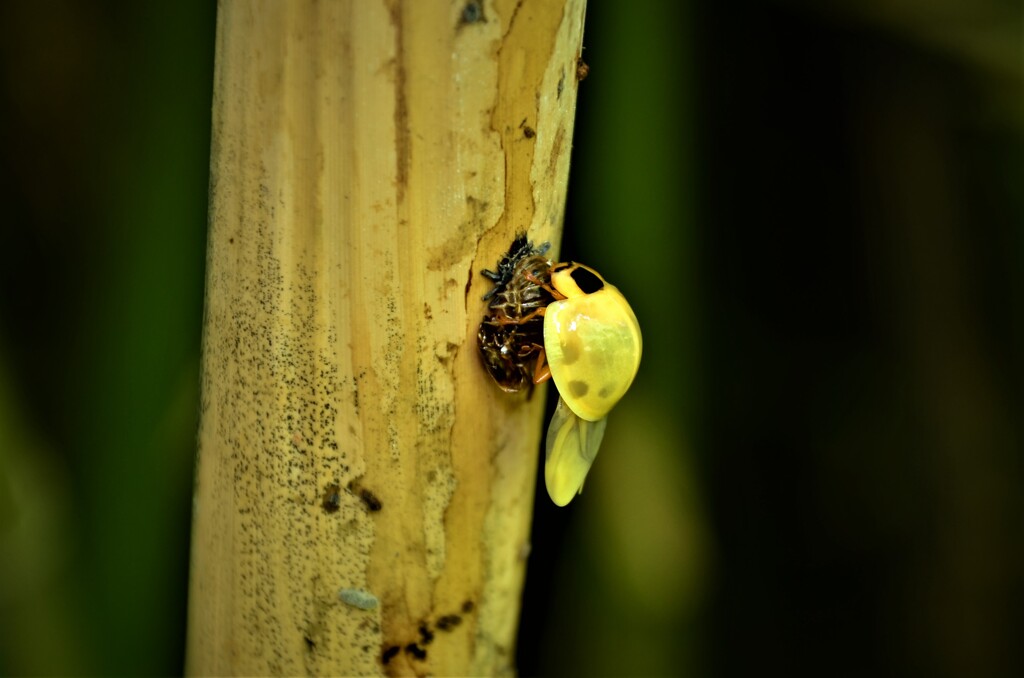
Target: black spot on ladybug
(416,651)
(587,281)
(468,606)
(528,132)
(605,391)
(578,388)
(332,498)
(389,654)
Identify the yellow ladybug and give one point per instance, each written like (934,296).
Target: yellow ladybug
(592,344)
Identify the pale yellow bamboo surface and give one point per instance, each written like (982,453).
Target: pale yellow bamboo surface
(369,158)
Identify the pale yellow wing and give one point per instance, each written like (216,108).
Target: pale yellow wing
(572,444)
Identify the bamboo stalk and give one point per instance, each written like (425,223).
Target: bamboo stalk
(363,491)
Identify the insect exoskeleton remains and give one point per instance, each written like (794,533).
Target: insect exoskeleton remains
(566,322)
(511,335)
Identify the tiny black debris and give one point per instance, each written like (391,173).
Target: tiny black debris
(390,653)
(371,501)
(472,12)
(582,69)
(332,498)
(448,622)
(426,635)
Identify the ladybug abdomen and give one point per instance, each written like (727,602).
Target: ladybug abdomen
(593,347)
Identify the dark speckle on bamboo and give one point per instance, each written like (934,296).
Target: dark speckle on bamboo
(332,498)
(369,499)
(472,13)
(389,654)
(448,622)
(426,635)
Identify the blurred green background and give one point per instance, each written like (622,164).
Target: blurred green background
(818,216)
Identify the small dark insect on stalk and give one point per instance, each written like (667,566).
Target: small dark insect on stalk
(511,335)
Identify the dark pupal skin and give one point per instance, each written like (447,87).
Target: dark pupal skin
(509,355)
(511,335)
(524,293)
(506,270)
